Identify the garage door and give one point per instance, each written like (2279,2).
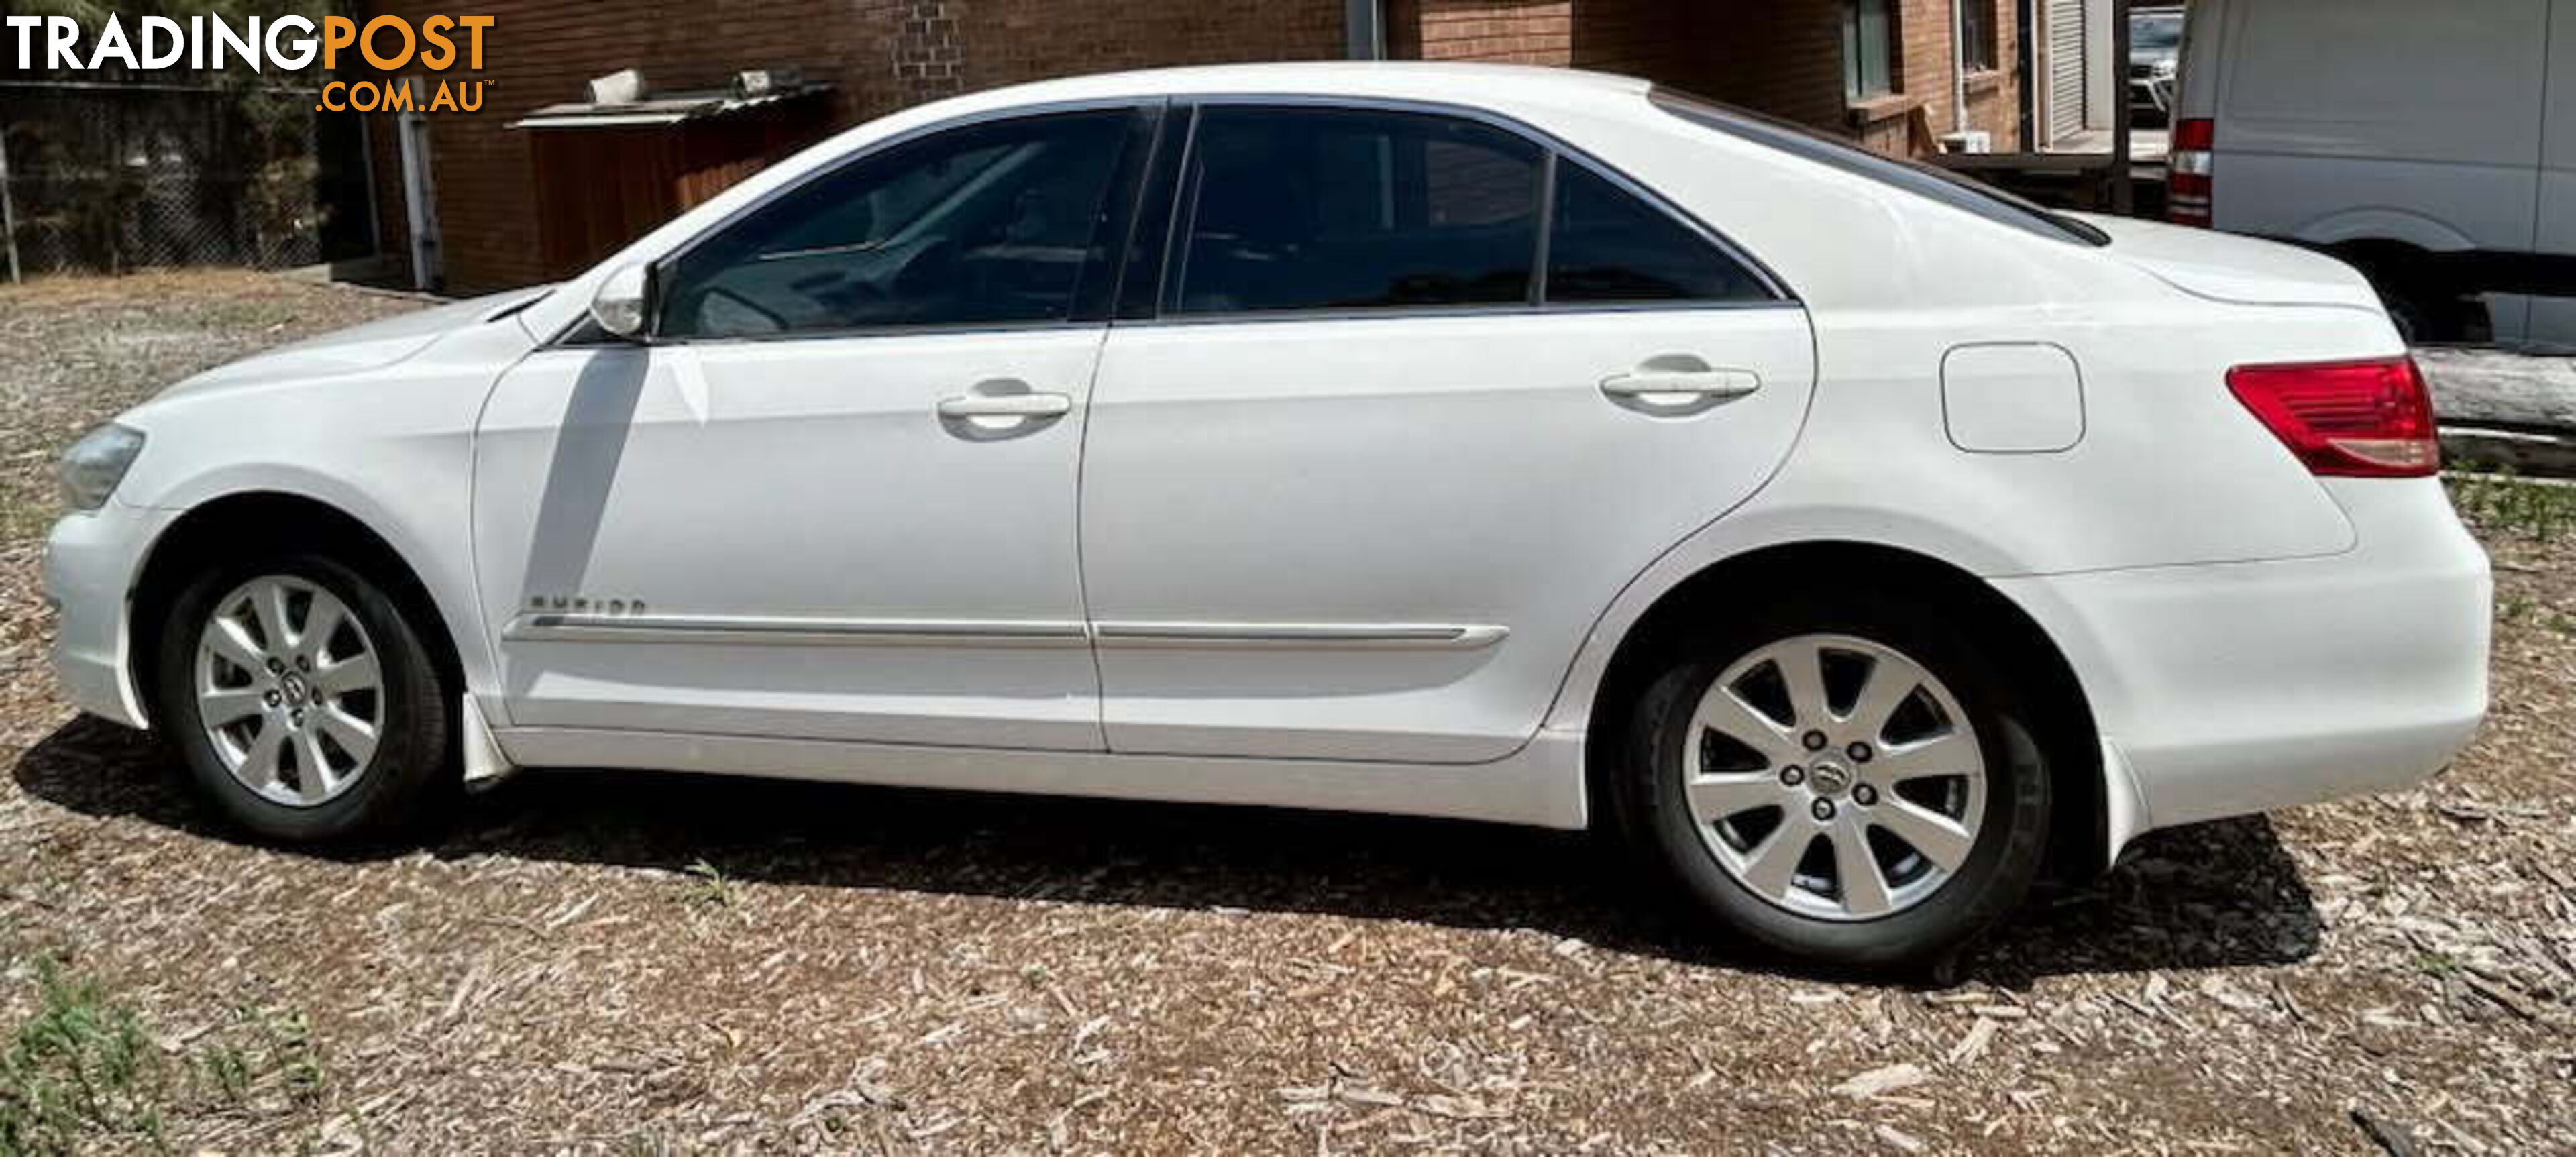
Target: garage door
(2065,68)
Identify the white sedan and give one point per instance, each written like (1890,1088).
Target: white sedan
(1516,445)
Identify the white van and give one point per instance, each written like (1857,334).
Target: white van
(2432,144)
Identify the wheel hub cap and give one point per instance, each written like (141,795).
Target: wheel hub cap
(288,691)
(1819,834)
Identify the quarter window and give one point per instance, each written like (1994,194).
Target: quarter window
(989,224)
(1347,209)
(1607,246)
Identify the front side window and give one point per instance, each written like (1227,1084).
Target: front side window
(1869,49)
(1606,246)
(984,225)
(1350,209)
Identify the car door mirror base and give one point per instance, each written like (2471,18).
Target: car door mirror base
(622,305)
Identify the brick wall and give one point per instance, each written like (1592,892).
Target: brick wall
(878,54)
(1636,37)
(1012,41)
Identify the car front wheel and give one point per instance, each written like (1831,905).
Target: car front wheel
(304,702)
(1846,785)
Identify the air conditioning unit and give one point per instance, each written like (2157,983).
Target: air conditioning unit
(1972,141)
(624,86)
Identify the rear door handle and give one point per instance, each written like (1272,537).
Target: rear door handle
(1682,385)
(1006,406)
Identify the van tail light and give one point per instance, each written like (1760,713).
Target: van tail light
(2347,419)
(2188,188)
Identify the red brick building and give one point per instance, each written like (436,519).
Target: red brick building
(1880,70)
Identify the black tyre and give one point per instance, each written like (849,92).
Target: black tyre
(304,701)
(1840,779)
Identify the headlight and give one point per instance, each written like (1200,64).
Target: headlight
(2166,68)
(90,470)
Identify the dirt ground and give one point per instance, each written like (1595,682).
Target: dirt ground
(645,964)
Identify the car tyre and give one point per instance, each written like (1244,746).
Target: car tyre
(1713,831)
(305,703)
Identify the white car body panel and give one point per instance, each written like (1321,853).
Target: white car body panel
(789,487)
(1379,564)
(2263,707)
(1461,471)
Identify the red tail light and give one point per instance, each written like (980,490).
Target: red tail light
(2188,187)
(2353,419)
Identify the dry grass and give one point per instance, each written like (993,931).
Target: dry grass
(644,964)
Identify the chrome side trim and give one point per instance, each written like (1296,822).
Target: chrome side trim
(557,627)
(577,627)
(1417,636)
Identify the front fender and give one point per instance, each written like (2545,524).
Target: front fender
(392,449)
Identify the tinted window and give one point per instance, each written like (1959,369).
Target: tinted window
(1922,180)
(1606,245)
(984,225)
(1349,209)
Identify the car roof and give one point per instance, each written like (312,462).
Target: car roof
(1432,81)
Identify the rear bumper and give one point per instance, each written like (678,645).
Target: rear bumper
(91,562)
(2238,688)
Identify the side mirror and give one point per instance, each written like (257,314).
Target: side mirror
(622,301)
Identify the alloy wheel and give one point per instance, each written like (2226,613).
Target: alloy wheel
(288,690)
(1834,777)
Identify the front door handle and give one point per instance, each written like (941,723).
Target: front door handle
(1006,406)
(1686,386)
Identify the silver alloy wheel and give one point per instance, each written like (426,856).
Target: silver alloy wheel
(1834,777)
(288,690)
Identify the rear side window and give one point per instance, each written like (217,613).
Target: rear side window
(1605,246)
(1347,209)
(1331,210)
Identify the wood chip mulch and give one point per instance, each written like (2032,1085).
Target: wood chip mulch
(596,963)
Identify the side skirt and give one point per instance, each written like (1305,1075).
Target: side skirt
(1539,786)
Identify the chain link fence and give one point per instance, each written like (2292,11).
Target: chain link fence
(107,178)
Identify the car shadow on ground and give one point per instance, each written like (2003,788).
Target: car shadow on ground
(2223,894)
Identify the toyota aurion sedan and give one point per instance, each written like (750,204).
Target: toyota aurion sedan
(1529,446)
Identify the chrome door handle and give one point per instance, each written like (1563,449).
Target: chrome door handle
(1006,406)
(1694,385)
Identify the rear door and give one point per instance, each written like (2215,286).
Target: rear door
(1363,483)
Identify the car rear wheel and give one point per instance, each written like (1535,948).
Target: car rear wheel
(1846,785)
(304,702)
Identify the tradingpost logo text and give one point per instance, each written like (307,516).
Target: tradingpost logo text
(284,44)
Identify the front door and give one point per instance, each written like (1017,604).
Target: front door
(835,496)
(1362,488)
